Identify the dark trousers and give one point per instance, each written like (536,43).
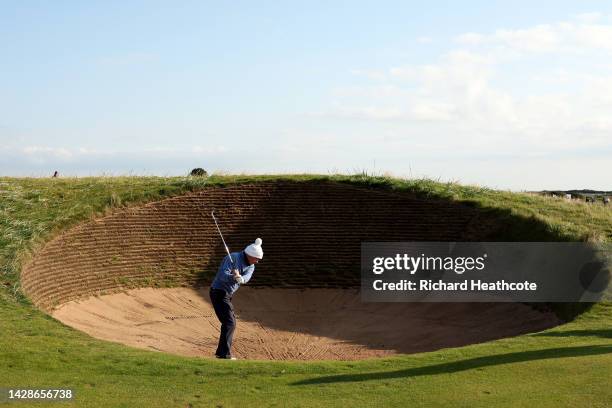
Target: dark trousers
(222,303)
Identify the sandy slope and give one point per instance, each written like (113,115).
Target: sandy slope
(295,324)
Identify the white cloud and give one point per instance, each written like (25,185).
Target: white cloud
(43,160)
(48,154)
(594,36)
(555,76)
(470,38)
(368,112)
(433,111)
(499,92)
(541,38)
(376,91)
(39,152)
(209,149)
(369,73)
(583,33)
(591,17)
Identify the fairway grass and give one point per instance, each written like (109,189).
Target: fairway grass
(567,366)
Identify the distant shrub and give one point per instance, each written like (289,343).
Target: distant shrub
(198,172)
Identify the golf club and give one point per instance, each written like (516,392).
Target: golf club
(212,213)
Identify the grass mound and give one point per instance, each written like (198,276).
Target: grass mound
(566,366)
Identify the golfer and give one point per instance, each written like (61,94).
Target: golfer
(226,283)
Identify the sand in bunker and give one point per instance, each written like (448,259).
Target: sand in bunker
(295,324)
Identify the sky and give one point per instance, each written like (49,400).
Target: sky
(512,96)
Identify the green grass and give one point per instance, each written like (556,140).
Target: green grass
(570,365)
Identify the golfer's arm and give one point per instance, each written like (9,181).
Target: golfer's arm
(247,276)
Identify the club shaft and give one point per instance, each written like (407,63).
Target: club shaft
(223,240)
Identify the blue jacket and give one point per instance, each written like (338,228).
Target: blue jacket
(225,280)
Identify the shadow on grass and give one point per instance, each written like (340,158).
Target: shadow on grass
(464,365)
(603,333)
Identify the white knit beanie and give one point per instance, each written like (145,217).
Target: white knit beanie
(254,249)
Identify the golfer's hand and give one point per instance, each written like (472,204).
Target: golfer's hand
(239,279)
(235,273)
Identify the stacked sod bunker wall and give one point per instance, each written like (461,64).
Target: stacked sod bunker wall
(312,229)
(312,233)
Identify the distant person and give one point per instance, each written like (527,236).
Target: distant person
(227,281)
(56,174)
